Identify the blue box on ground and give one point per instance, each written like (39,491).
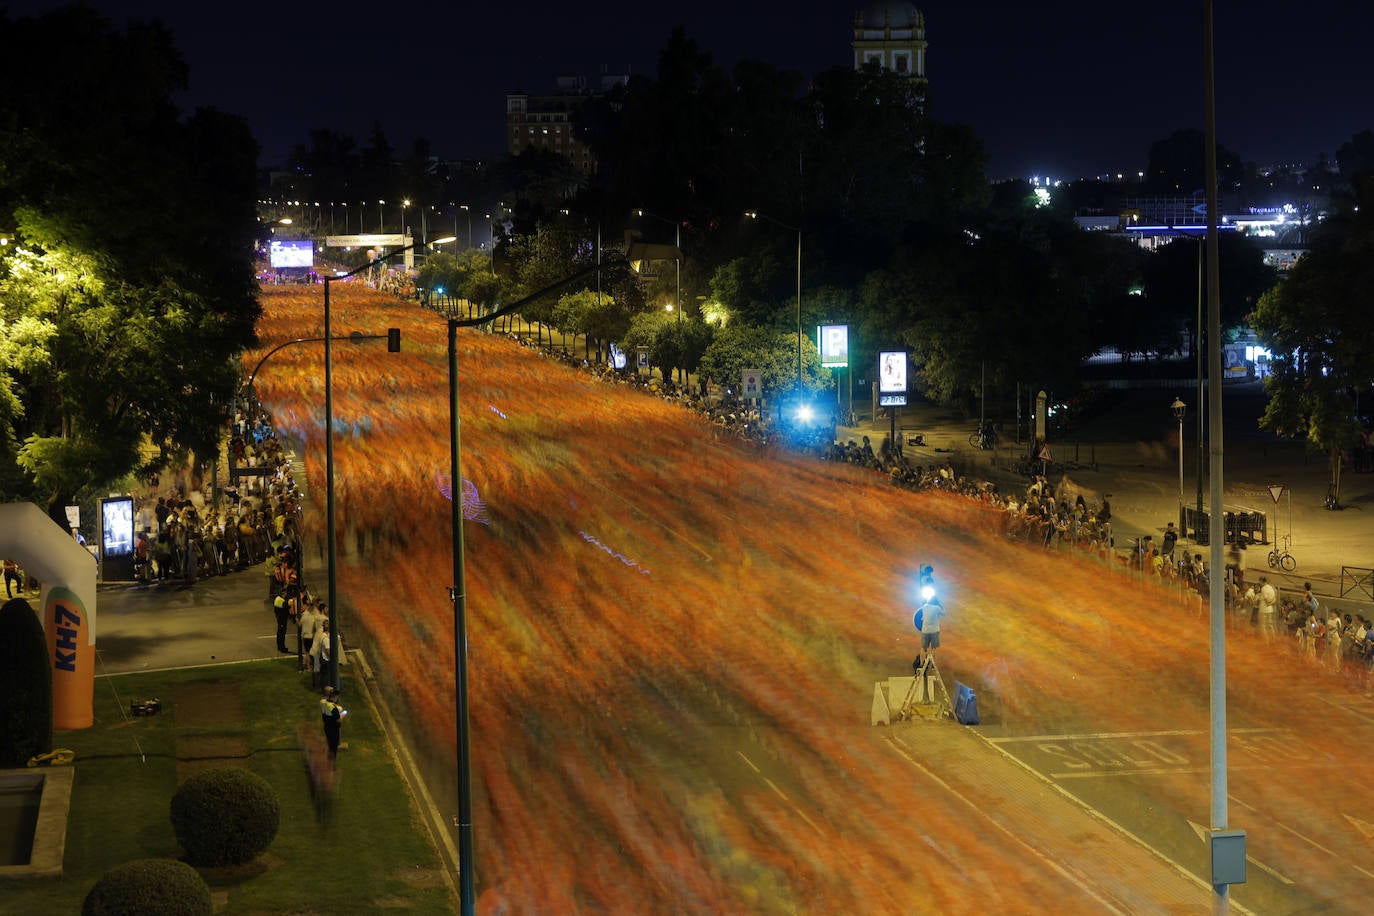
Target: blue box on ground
(965,705)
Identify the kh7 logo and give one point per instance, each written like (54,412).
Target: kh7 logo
(68,632)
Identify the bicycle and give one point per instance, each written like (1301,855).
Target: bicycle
(984,437)
(1281,558)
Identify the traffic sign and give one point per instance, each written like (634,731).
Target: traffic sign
(1044,454)
(1276,490)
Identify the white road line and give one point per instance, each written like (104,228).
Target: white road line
(1111,823)
(1344,707)
(1097,735)
(905,753)
(1345,860)
(781,794)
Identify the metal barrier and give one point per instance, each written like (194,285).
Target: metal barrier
(1240,523)
(1357,579)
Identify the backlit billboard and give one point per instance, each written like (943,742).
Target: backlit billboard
(832,340)
(292,253)
(892,378)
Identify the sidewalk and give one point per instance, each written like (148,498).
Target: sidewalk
(1131,454)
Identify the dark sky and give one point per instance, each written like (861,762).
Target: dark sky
(1059,87)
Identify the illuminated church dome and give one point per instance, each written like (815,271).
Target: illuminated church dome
(902,17)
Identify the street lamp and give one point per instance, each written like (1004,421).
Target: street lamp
(491,233)
(1180,409)
(458,591)
(331,540)
(381,215)
(466,209)
(754,214)
(405,203)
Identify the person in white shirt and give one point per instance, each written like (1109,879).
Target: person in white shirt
(309,623)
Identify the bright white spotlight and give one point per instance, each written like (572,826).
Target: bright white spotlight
(805,413)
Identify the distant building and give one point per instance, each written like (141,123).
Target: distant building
(546,121)
(892,35)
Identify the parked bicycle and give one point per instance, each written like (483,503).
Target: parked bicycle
(984,437)
(1281,558)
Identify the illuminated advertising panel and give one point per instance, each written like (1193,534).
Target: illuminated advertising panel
(117,526)
(892,379)
(292,253)
(832,340)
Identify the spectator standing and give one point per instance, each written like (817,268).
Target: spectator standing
(12,575)
(319,652)
(310,623)
(1170,539)
(1268,609)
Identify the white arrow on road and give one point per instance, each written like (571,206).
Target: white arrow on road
(1201,832)
(1365,827)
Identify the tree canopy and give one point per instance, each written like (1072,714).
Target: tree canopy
(1320,330)
(128,290)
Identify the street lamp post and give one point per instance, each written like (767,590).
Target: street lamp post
(1180,409)
(754,214)
(381,215)
(468,210)
(458,592)
(331,540)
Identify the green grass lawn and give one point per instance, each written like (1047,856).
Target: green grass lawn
(367,852)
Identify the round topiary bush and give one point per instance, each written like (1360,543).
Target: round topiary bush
(149,887)
(225,816)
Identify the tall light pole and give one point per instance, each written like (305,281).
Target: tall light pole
(458,591)
(754,214)
(405,203)
(491,233)
(381,215)
(1180,409)
(330,539)
(1227,846)
(466,209)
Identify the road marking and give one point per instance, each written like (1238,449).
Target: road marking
(1345,707)
(1201,832)
(1091,735)
(1186,873)
(1365,827)
(905,753)
(1306,839)
(781,794)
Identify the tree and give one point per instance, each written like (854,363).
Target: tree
(133,297)
(1172,283)
(772,353)
(592,314)
(1177,165)
(1320,330)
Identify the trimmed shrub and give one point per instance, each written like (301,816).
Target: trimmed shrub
(149,887)
(26,685)
(225,816)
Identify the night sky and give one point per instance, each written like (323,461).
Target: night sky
(1059,87)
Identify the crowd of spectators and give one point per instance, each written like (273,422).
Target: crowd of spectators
(184,533)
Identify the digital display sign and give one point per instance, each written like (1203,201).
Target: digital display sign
(832,340)
(117,527)
(291,253)
(892,379)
